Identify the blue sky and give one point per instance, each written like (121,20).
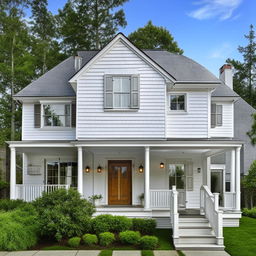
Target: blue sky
(209,31)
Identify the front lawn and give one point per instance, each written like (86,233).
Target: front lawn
(241,241)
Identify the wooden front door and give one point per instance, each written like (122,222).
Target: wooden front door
(119,182)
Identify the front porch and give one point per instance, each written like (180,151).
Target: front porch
(154,168)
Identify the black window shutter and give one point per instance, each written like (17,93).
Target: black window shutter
(213,115)
(73,111)
(37,115)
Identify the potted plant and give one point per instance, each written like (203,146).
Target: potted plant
(95,199)
(141,197)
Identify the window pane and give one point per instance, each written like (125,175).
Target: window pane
(219,119)
(117,84)
(67,121)
(173,106)
(126,84)
(181,106)
(181,98)
(219,109)
(67,109)
(117,100)
(48,121)
(58,120)
(173,98)
(177,176)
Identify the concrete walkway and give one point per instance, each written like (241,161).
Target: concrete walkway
(84,253)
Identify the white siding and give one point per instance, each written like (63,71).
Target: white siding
(194,122)
(29,132)
(147,122)
(227,128)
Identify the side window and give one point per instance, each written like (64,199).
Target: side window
(216,115)
(178,102)
(121,92)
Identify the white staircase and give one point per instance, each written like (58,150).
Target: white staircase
(197,230)
(196,233)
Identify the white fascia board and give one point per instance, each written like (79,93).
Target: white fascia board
(21,144)
(123,39)
(55,101)
(38,99)
(224,99)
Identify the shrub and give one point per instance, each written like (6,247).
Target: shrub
(8,205)
(120,223)
(19,229)
(105,253)
(148,242)
(74,242)
(63,214)
(144,226)
(129,237)
(102,223)
(90,239)
(249,212)
(106,238)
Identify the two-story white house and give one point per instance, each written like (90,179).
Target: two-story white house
(130,124)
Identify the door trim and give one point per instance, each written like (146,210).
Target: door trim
(131,179)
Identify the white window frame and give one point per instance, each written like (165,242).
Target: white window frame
(216,114)
(185,102)
(55,103)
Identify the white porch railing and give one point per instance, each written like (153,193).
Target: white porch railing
(29,192)
(209,205)
(229,200)
(160,198)
(174,215)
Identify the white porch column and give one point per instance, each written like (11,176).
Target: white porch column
(147,179)
(208,170)
(238,193)
(80,171)
(13,174)
(232,170)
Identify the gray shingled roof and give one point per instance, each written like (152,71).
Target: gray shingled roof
(224,91)
(55,83)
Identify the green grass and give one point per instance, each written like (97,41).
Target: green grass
(241,241)
(165,239)
(180,253)
(147,253)
(106,253)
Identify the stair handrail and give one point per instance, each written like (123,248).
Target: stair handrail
(209,206)
(174,215)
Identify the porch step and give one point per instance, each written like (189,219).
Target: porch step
(196,233)
(201,247)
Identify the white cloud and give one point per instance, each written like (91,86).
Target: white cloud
(222,52)
(222,9)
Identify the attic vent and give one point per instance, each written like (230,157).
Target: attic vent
(78,63)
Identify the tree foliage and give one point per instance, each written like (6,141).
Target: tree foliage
(245,70)
(249,182)
(154,37)
(89,24)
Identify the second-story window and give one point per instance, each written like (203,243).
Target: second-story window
(121,92)
(178,102)
(57,115)
(216,115)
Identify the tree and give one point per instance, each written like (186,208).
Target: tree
(45,47)
(249,182)
(245,71)
(15,67)
(89,24)
(153,37)
(252,133)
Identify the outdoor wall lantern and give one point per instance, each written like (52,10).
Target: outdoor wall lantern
(99,169)
(87,169)
(161,165)
(141,168)
(198,169)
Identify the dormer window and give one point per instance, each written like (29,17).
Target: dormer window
(178,102)
(121,92)
(57,115)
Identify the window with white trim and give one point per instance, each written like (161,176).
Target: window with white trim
(216,115)
(121,92)
(178,102)
(57,115)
